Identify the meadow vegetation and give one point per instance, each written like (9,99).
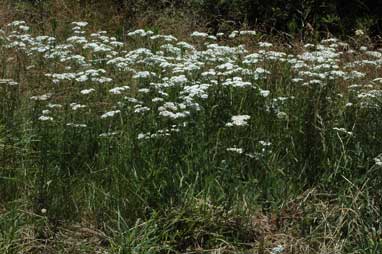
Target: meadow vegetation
(202,143)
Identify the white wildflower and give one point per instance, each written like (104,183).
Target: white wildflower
(199,34)
(43,97)
(248,32)
(278,249)
(235,150)
(76,125)
(143,74)
(233,34)
(87,91)
(80,23)
(50,105)
(378,160)
(76,106)
(359,32)
(45,118)
(264,93)
(118,90)
(110,114)
(265,44)
(108,134)
(238,120)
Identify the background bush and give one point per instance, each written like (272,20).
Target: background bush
(295,17)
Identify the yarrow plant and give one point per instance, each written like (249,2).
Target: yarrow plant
(154,120)
(239,120)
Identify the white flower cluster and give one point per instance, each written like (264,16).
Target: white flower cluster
(173,81)
(238,120)
(378,160)
(110,114)
(9,82)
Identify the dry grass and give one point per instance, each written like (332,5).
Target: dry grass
(313,222)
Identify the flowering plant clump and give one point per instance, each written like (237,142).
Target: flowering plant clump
(154,120)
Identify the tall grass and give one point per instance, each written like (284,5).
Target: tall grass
(173,147)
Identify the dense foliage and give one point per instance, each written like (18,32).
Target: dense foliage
(295,17)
